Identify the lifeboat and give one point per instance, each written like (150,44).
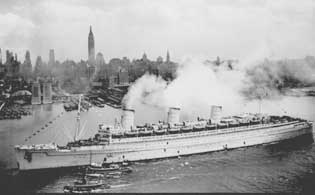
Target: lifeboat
(159,131)
(254,122)
(131,133)
(186,129)
(117,135)
(211,126)
(222,125)
(199,127)
(244,123)
(234,124)
(145,133)
(173,130)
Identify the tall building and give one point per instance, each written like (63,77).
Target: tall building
(36,93)
(38,69)
(144,57)
(159,60)
(47,96)
(12,65)
(51,61)
(0,57)
(168,59)
(99,60)
(2,66)
(26,69)
(91,48)
(123,77)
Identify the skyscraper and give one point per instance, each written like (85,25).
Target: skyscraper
(51,61)
(91,48)
(168,57)
(26,69)
(0,57)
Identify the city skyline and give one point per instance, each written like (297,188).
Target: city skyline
(91,56)
(231,29)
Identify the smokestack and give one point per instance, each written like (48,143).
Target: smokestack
(127,119)
(215,115)
(173,116)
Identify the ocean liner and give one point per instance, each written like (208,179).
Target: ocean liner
(124,141)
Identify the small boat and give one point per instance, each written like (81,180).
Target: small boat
(186,129)
(125,169)
(112,167)
(131,133)
(84,186)
(117,135)
(125,164)
(159,131)
(222,125)
(199,127)
(145,133)
(173,130)
(254,122)
(114,175)
(211,126)
(244,123)
(94,175)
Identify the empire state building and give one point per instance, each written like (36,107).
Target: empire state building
(91,48)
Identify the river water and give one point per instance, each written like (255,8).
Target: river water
(284,167)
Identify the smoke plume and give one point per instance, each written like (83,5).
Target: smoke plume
(196,87)
(270,79)
(199,85)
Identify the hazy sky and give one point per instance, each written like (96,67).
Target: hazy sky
(228,28)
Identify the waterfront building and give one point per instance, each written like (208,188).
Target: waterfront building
(47,93)
(36,93)
(123,77)
(112,80)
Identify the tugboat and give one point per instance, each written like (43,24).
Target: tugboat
(83,186)
(104,168)
(101,168)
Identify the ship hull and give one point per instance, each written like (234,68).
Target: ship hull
(156,147)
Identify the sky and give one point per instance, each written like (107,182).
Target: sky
(208,28)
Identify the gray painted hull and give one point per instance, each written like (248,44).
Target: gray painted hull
(153,147)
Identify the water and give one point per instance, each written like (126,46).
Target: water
(284,167)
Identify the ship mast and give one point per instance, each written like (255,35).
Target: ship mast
(78,118)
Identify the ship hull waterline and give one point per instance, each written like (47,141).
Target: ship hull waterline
(158,147)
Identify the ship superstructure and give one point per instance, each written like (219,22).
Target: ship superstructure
(127,142)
